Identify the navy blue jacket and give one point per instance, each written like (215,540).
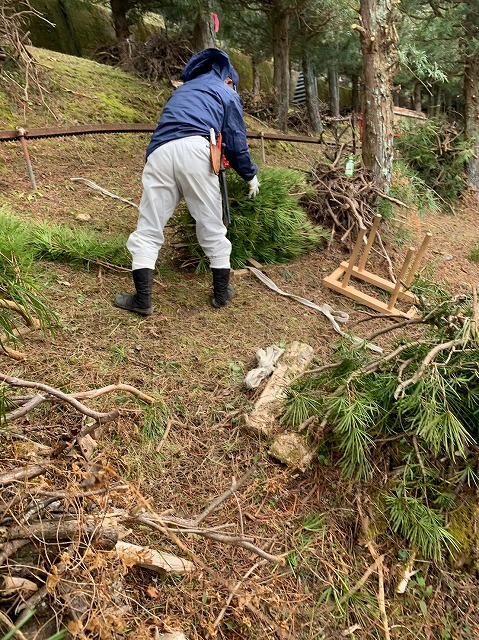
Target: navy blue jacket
(203,102)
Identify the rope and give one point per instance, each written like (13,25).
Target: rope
(267,359)
(331,314)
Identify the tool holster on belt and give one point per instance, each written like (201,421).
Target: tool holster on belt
(215,151)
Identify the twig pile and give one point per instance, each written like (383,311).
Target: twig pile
(347,203)
(63,517)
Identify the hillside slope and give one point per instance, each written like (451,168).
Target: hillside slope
(176,456)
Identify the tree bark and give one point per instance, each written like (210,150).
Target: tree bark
(256,79)
(70,25)
(471,96)
(355,94)
(333,84)
(417,97)
(378,45)
(204,33)
(281,67)
(119,10)
(311,91)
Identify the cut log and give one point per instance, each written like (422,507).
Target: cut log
(295,360)
(292,449)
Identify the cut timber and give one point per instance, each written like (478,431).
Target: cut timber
(254,263)
(159,561)
(295,360)
(292,449)
(377,281)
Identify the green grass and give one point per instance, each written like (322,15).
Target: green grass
(30,241)
(81,91)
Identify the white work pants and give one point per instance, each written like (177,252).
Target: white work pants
(180,168)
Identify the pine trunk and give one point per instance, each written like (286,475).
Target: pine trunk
(119,10)
(355,94)
(378,45)
(471,99)
(333,83)
(256,79)
(76,48)
(311,91)
(204,32)
(281,67)
(417,97)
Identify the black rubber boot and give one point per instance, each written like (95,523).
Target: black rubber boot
(140,302)
(222,290)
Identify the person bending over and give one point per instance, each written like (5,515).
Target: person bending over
(178,164)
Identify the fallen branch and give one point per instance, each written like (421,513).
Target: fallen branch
(25,473)
(94,393)
(400,389)
(160,561)
(233,592)
(102,537)
(379,562)
(65,397)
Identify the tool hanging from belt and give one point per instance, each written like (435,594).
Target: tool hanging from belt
(217,149)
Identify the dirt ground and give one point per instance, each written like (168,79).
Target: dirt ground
(193,358)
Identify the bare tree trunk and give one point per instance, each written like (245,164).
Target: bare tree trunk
(311,91)
(417,97)
(355,94)
(333,83)
(378,45)
(256,79)
(119,9)
(281,67)
(204,33)
(471,117)
(70,25)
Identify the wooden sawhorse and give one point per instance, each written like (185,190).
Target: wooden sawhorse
(339,280)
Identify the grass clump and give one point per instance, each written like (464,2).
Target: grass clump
(473,255)
(272,228)
(17,284)
(29,241)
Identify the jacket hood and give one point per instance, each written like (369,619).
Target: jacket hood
(210,60)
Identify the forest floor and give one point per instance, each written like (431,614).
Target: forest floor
(192,359)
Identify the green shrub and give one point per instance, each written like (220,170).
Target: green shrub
(408,187)
(438,152)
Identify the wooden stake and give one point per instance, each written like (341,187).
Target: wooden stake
(369,244)
(418,258)
(399,283)
(262,147)
(353,258)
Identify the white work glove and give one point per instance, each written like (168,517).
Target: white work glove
(253,186)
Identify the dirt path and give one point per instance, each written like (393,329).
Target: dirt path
(453,238)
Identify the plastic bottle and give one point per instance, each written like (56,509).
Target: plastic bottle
(349,170)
